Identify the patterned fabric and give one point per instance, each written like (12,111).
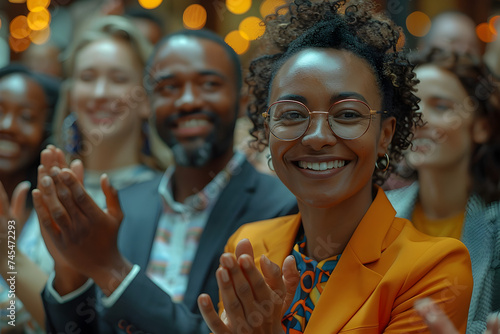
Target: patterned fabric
(180,228)
(313,278)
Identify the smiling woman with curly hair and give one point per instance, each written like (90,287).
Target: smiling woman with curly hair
(332,96)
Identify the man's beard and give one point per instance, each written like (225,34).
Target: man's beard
(217,143)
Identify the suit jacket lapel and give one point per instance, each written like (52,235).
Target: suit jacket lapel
(223,221)
(142,207)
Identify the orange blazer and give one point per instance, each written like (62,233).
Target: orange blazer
(386,266)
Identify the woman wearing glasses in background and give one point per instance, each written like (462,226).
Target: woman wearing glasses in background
(335,105)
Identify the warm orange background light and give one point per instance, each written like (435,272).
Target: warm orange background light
(252,28)
(17,1)
(269,6)
(40,37)
(39,19)
(238,6)
(19,45)
(418,24)
(484,33)
(34,4)
(19,27)
(239,43)
(150,4)
(194,17)
(494,23)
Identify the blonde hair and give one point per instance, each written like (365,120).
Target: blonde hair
(105,27)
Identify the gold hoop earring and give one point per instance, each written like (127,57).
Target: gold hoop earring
(383,166)
(270,163)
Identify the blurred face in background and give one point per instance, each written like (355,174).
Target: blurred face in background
(107,93)
(23,113)
(445,141)
(454,32)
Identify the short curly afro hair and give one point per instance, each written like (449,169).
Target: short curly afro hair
(354,26)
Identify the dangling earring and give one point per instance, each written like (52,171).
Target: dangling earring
(270,162)
(71,136)
(383,166)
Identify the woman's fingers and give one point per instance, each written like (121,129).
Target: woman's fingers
(19,198)
(434,317)
(244,247)
(273,280)
(234,288)
(211,317)
(493,324)
(291,279)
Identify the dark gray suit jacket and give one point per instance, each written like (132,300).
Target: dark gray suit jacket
(144,307)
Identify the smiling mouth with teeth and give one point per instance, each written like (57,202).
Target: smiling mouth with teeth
(321,166)
(192,123)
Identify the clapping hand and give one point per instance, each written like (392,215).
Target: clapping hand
(438,322)
(84,234)
(10,213)
(253,302)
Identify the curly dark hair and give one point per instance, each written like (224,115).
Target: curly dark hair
(483,92)
(354,26)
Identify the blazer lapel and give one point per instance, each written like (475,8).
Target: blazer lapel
(141,206)
(278,244)
(223,221)
(352,282)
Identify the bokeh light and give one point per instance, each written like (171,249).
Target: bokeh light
(418,24)
(19,45)
(40,37)
(0,23)
(33,5)
(252,28)
(19,27)
(484,33)
(239,43)
(269,6)
(194,17)
(238,6)
(17,1)
(39,19)
(495,24)
(150,4)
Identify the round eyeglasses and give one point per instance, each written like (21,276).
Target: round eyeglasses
(348,119)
